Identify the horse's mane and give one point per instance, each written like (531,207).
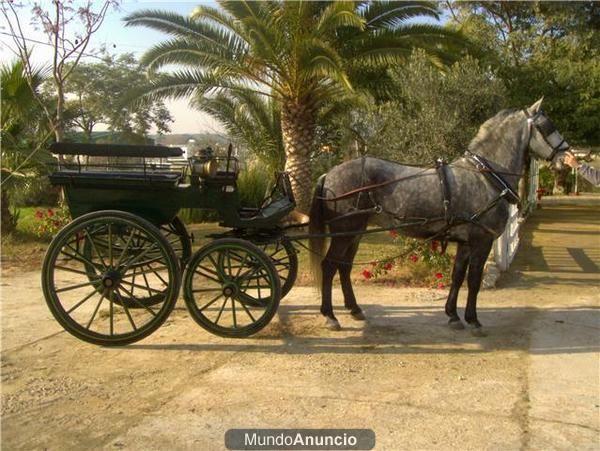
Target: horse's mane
(489,130)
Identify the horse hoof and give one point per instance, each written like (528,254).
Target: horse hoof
(477,331)
(455,324)
(359,316)
(332,324)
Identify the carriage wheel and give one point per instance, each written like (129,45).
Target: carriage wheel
(85,282)
(285,258)
(231,288)
(178,239)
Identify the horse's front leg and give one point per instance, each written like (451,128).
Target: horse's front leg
(479,255)
(458,276)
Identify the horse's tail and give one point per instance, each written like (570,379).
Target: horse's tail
(316,228)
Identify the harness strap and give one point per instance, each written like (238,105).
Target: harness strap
(440,167)
(493,177)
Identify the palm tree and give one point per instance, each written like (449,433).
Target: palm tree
(302,54)
(23,129)
(250,118)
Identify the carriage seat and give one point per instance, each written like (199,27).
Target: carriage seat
(114,150)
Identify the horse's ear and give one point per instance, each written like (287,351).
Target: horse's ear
(536,106)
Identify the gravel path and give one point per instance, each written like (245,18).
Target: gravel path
(531,384)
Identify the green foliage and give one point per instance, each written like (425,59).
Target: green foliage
(546,179)
(253,184)
(543,48)
(435,113)
(100,93)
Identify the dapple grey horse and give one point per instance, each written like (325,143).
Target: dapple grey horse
(465,201)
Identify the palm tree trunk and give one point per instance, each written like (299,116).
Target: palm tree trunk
(298,130)
(8,221)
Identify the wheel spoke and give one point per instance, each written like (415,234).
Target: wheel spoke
(211,302)
(126,310)
(74,287)
(111,309)
(233,312)
(137,301)
(80,303)
(218,268)
(77,256)
(135,259)
(205,290)
(110,250)
(76,271)
(247,311)
(126,247)
(94,248)
(150,270)
(147,288)
(221,311)
(214,273)
(159,276)
(95,312)
(147,284)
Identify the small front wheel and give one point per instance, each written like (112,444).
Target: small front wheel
(231,288)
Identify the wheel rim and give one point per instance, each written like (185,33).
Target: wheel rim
(93,270)
(177,236)
(232,288)
(285,259)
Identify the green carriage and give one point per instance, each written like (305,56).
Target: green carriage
(113,275)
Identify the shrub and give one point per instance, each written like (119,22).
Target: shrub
(51,220)
(427,264)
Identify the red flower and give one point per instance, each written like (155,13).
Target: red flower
(39,214)
(413,258)
(393,233)
(441,286)
(439,275)
(434,245)
(388,266)
(50,212)
(367,274)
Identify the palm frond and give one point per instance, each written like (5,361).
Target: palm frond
(386,14)
(339,14)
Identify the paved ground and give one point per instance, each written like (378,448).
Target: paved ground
(531,384)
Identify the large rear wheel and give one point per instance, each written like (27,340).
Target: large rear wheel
(92,269)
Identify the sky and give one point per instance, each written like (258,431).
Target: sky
(120,39)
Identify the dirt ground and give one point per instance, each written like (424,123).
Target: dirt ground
(533,383)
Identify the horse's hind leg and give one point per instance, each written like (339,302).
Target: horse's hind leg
(346,282)
(479,255)
(329,267)
(458,276)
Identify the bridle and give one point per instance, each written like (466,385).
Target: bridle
(546,128)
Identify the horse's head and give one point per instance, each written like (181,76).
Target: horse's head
(545,140)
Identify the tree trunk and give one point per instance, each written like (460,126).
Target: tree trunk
(59,127)
(298,131)
(8,222)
